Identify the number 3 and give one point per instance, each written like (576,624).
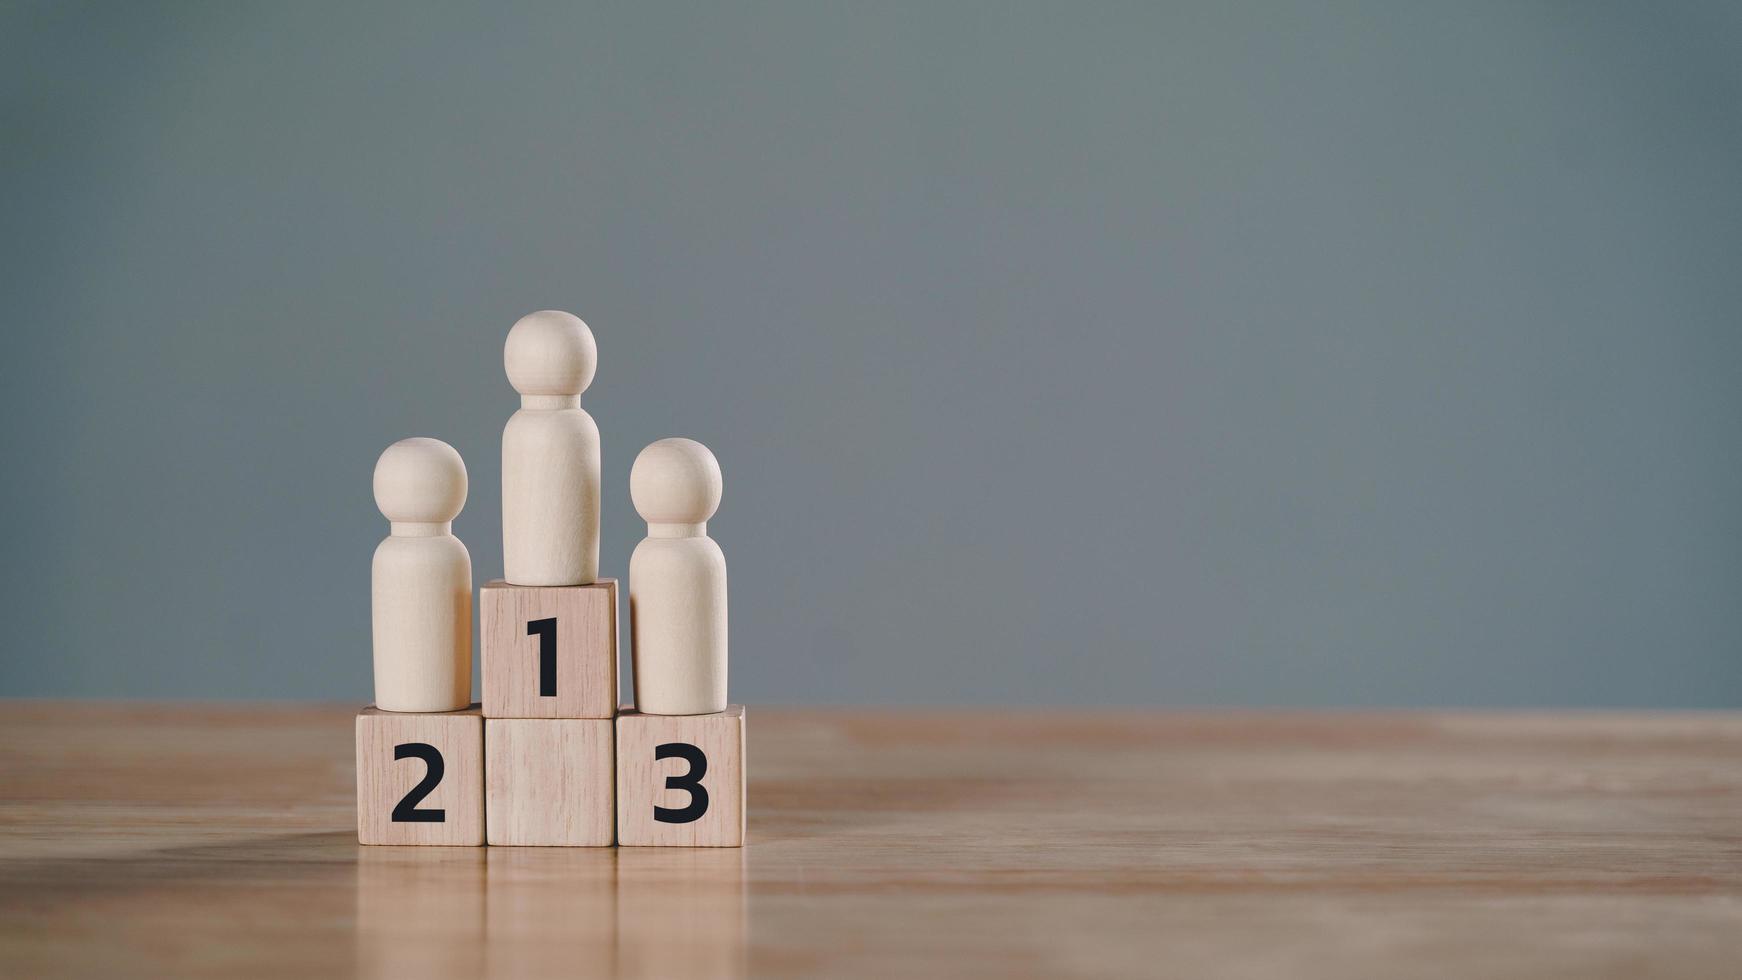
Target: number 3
(690,781)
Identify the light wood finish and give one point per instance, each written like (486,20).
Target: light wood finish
(549,782)
(419,913)
(706,752)
(685,912)
(421,581)
(586,649)
(550,454)
(677,582)
(218,841)
(549,912)
(386,774)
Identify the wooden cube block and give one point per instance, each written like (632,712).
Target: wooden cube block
(420,777)
(549,651)
(549,781)
(680,779)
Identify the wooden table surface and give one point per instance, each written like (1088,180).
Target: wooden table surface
(206,840)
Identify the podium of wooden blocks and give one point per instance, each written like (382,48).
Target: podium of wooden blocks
(420,750)
(680,753)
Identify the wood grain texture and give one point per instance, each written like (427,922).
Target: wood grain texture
(384,780)
(677,582)
(218,841)
(644,780)
(550,782)
(550,454)
(586,649)
(421,581)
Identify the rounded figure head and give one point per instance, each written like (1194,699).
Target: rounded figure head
(675,481)
(420,481)
(550,353)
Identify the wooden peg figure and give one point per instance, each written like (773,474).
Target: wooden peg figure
(550,454)
(677,582)
(421,581)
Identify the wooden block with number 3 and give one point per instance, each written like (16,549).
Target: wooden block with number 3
(549,651)
(420,777)
(680,779)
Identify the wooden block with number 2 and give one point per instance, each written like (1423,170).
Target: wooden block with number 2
(420,777)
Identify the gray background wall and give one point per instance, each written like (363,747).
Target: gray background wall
(1224,353)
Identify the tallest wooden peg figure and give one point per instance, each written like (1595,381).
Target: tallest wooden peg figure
(550,454)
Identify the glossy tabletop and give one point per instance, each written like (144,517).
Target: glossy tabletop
(219,840)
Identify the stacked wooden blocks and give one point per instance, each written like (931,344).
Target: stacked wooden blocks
(549,758)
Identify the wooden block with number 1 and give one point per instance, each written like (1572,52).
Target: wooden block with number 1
(549,651)
(420,777)
(680,779)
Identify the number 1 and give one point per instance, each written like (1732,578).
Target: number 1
(545,630)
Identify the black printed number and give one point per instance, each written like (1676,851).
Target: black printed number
(691,781)
(407,811)
(545,630)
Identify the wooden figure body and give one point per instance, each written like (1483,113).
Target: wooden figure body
(677,582)
(421,581)
(550,454)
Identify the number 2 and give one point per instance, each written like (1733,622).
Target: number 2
(545,630)
(690,781)
(406,811)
